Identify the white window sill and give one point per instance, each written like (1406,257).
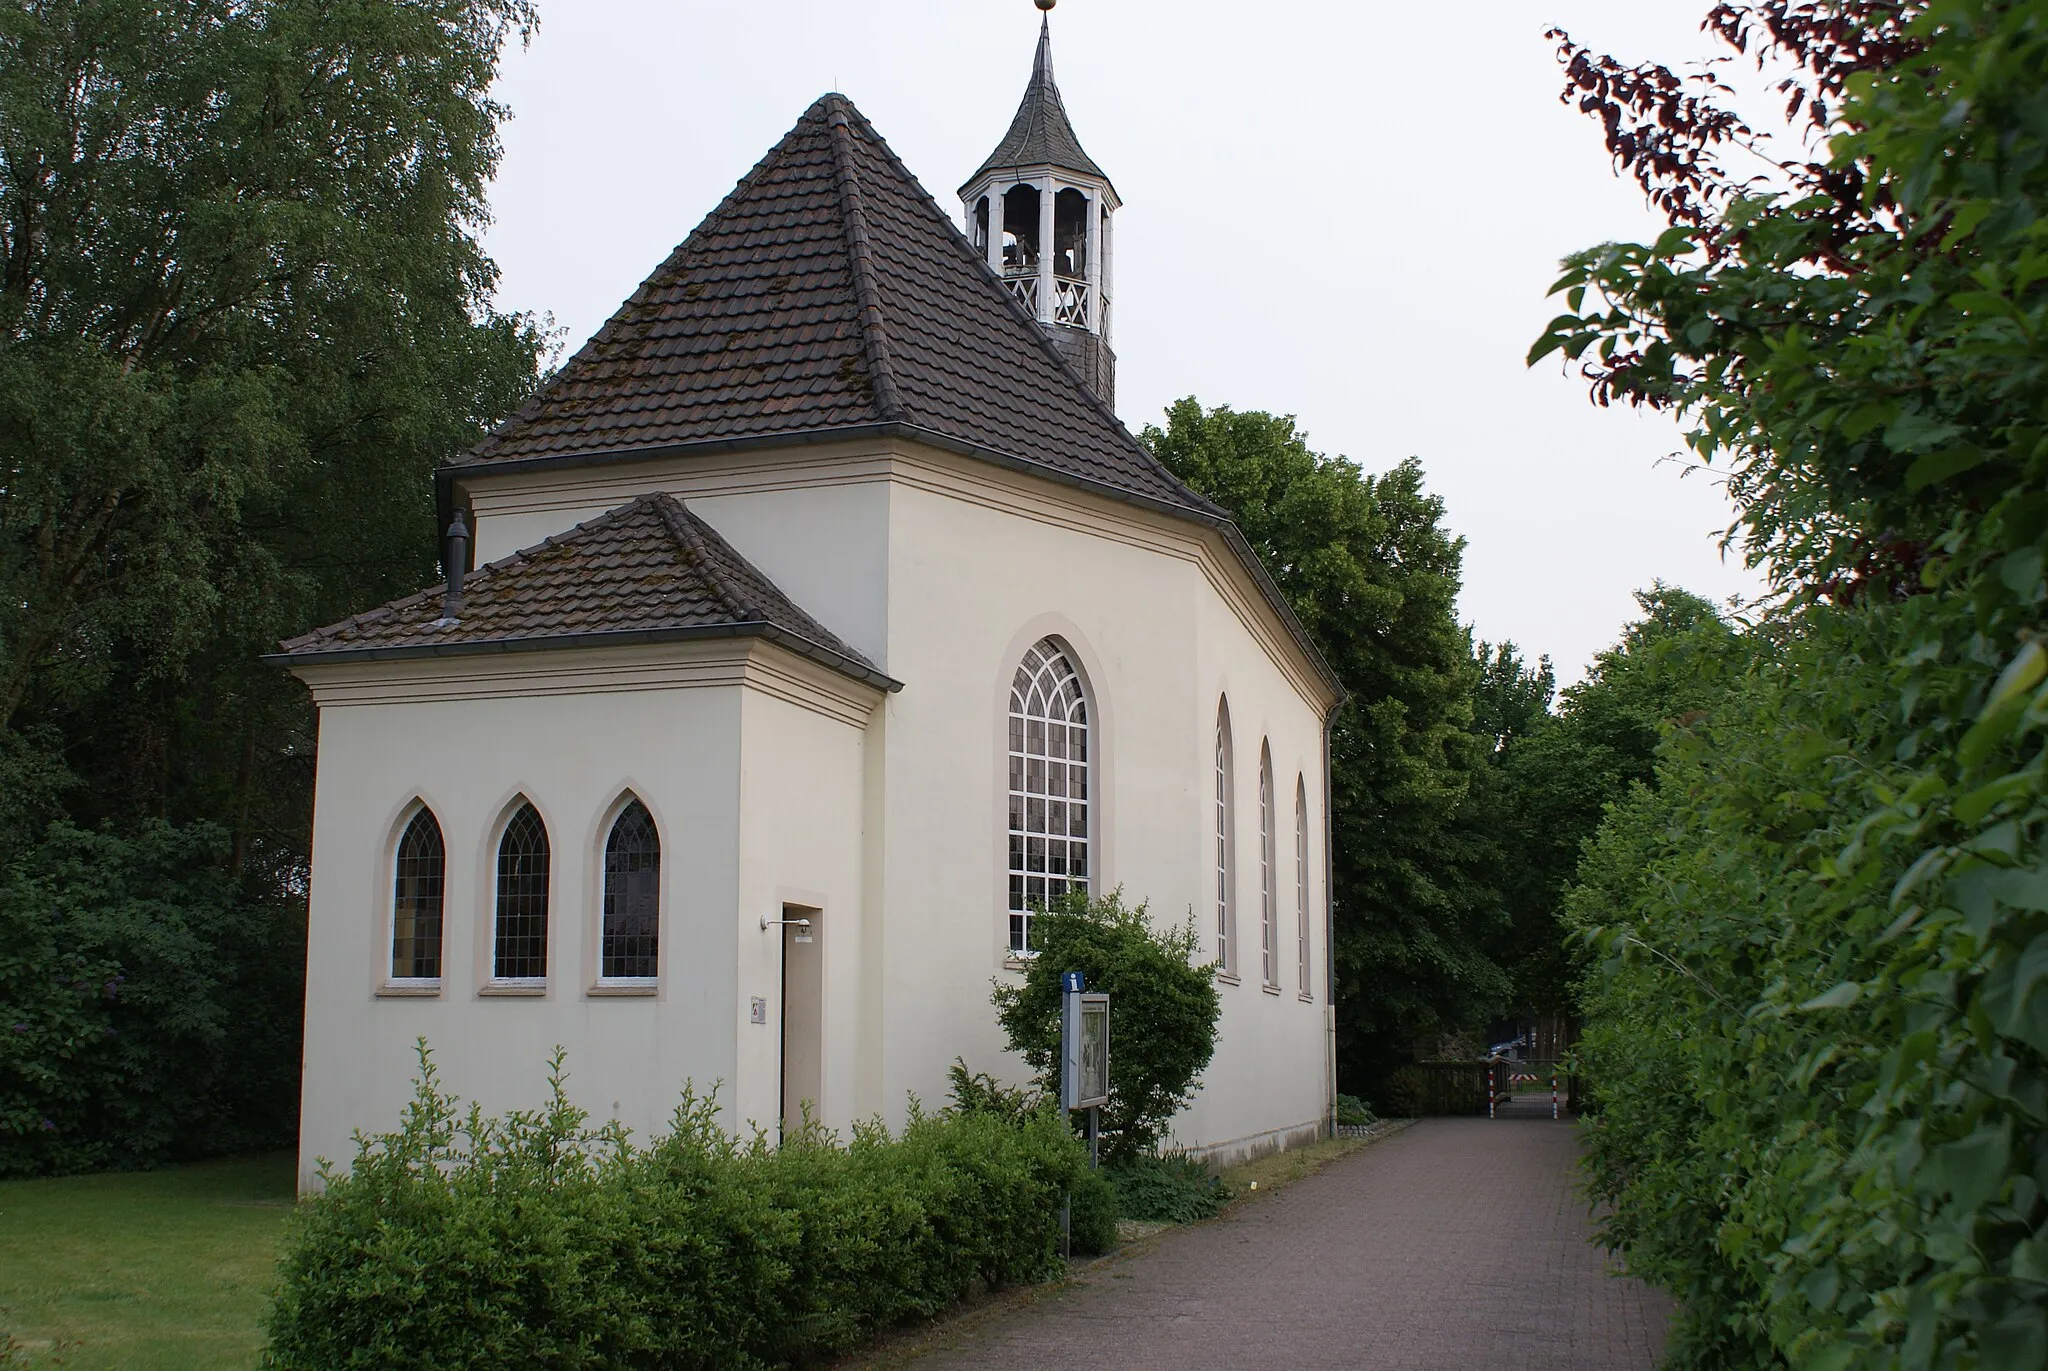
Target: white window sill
(1229,978)
(531,990)
(1306,998)
(409,990)
(624,990)
(1270,989)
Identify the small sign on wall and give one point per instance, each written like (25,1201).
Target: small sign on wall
(760,1010)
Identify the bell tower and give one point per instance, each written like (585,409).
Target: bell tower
(1039,209)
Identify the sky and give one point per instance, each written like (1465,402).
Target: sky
(1348,212)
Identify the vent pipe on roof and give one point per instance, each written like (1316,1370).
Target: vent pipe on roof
(455,559)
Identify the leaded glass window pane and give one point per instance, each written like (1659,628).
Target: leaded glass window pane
(421,873)
(1223,910)
(1269,913)
(520,948)
(632,896)
(1301,880)
(1048,823)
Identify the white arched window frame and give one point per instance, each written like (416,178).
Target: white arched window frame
(1226,901)
(1301,883)
(1050,790)
(418,901)
(1269,876)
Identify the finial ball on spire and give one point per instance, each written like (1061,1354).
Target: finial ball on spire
(1046,4)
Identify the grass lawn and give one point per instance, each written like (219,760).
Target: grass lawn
(158,1269)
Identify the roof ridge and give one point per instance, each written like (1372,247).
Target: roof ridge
(683,526)
(867,294)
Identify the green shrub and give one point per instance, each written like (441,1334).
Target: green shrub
(1403,1094)
(1163,1009)
(977,1092)
(147,1015)
(1817,1022)
(1353,1112)
(1095,1212)
(533,1240)
(1093,1227)
(1173,1188)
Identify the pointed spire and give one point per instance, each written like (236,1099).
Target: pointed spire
(1041,135)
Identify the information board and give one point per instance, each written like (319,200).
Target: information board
(1084,1038)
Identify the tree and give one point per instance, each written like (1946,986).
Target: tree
(1163,1010)
(244,312)
(1819,1013)
(1557,774)
(1369,570)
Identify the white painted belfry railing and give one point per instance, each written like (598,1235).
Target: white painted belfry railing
(1025,288)
(1072,302)
(1073,298)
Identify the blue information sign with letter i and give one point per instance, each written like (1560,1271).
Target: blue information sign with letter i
(1072,982)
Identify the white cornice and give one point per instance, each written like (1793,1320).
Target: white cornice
(745,662)
(586,491)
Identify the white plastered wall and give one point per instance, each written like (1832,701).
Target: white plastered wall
(972,585)
(942,569)
(572,732)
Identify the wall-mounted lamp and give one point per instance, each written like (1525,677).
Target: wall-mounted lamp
(802,926)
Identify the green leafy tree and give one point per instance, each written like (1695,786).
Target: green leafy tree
(1368,568)
(1163,1009)
(141,1003)
(1819,1015)
(1557,774)
(244,312)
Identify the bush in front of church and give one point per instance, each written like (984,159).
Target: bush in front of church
(1093,1203)
(536,1240)
(1163,1009)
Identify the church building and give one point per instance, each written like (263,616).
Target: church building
(816,622)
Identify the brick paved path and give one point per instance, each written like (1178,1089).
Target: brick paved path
(1458,1243)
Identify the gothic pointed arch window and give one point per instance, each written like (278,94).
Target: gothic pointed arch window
(420,869)
(519,944)
(632,897)
(1301,883)
(1050,789)
(1226,901)
(1269,875)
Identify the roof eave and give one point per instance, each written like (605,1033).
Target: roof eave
(824,656)
(947,443)
(1024,171)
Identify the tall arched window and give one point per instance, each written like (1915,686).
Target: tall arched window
(1301,881)
(1226,910)
(632,897)
(421,873)
(519,950)
(1269,875)
(1049,792)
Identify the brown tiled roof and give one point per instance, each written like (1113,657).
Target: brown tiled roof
(648,571)
(1041,135)
(829,294)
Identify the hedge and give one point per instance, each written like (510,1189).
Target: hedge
(534,1241)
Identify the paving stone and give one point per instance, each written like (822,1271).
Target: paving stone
(1458,1243)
